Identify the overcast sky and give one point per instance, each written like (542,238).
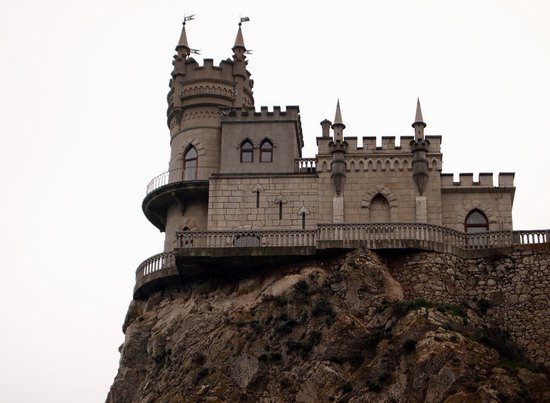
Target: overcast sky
(82,101)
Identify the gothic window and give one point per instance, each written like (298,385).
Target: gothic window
(247,151)
(304,220)
(476,222)
(379,209)
(190,164)
(266,151)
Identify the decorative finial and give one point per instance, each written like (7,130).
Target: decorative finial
(239,41)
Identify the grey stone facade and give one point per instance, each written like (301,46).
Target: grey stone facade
(252,175)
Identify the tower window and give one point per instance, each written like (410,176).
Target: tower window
(190,164)
(247,151)
(304,220)
(476,222)
(266,151)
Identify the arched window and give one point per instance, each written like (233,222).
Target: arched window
(266,151)
(379,209)
(476,222)
(247,151)
(190,164)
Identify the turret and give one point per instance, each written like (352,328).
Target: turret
(338,149)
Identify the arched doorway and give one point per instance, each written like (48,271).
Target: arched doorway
(379,209)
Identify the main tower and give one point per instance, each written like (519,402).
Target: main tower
(197,95)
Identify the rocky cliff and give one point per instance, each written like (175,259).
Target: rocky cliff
(361,327)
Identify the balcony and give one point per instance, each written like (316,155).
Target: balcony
(174,186)
(206,253)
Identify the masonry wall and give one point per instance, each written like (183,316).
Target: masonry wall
(232,202)
(193,217)
(516,285)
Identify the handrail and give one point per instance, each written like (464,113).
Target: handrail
(165,178)
(348,235)
(245,238)
(327,236)
(156,263)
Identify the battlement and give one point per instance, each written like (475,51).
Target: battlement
(387,145)
(208,71)
(505,179)
(292,113)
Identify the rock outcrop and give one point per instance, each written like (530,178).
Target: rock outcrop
(339,330)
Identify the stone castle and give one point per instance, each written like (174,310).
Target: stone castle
(237,184)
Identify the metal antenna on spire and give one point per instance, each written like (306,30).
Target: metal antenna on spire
(245,19)
(190,18)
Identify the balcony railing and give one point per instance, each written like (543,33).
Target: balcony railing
(251,238)
(330,236)
(156,263)
(165,178)
(305,165)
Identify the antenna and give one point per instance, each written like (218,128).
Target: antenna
(191,18)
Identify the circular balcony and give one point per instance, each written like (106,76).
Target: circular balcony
(172,187)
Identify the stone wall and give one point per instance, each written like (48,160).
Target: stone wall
(510,291)
(234,203)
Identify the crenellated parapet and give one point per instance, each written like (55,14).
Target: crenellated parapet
(388,145)
(195,85)
(466,180)
(291,113)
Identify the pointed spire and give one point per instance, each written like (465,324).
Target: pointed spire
(338,117)
(418,117)
(418,124)
(182,43)
(239,41)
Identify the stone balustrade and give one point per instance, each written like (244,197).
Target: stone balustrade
(305,165)
(156,263)
(250,239)
(333,236)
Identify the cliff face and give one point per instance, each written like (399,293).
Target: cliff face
(343,329)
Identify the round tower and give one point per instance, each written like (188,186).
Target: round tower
(196,95)
(178,199)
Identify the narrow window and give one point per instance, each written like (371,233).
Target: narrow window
(304,220)
(257,199)
(247,151)
(266,151)
(476,222)
(190,164)
(281,210)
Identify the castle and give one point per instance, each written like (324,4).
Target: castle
(237,184)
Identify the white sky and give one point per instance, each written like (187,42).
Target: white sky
(82,101)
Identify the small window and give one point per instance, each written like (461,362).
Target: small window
(247,151)
(190,164)
(266,151)
(476,222)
